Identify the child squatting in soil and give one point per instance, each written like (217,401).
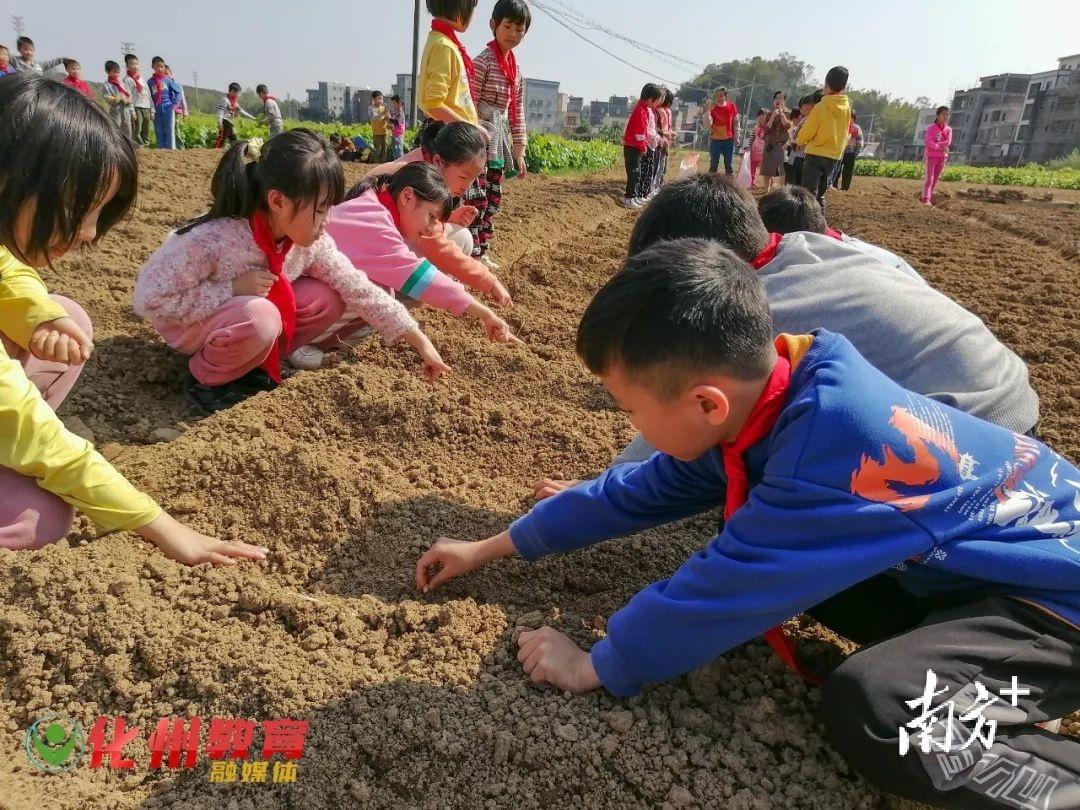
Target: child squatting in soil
(915,334)
(67,175)
(936,540)
(256,277)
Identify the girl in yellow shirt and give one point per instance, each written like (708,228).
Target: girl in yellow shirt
(67,175)
(444,85)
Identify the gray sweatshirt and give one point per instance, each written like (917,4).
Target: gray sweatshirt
(916,335)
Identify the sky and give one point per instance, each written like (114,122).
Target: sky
(908,49)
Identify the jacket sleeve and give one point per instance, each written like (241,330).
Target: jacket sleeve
(810,126)
(25,303)
(436,78)
(36,444)
(481,69)
(791,546)
(520,130)
(181,281)
(222,111)
(449,258)
(627,498)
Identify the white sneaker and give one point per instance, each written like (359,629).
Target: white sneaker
(307,358)
(631,202)
(488,262)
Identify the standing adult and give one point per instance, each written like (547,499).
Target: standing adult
(937,141)
(851,152)
(777,130)
(724,117)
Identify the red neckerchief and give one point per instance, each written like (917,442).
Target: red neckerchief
(135,77)
(447,31)
(769,253)
(390,204)
(940,125)
(120,87)
(851,128)
(281,295)
(835,234)
(160,89)
(759,424)
(509,67)
(234,105)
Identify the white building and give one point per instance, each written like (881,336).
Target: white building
(542,106)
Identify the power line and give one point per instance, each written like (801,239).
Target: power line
(578,34)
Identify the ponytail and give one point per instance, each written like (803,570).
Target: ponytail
(460,142)
(424,179)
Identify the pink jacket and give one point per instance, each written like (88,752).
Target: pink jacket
(652,133)
(937,140)
(365,232)
(191,275)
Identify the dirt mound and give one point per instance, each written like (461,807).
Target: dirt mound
(347,473)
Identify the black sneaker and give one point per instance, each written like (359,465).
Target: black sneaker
(208,399)
(255,381)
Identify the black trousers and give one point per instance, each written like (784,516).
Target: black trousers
(988,642)
(632,157)
(648,174)
(815,177)
(848,170)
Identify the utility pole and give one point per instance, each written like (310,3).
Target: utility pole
(415,63)
(125,49)
(748,116)
(195,76)
(18,24)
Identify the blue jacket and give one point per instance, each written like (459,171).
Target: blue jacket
(170,93)
(859,476)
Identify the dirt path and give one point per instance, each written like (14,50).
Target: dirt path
(349,472)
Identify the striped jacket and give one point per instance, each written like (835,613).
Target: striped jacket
(493,94)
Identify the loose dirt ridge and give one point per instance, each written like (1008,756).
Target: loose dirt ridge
(348,473)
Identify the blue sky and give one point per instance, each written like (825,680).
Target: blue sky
(911,48)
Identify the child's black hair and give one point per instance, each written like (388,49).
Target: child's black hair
(234,87)
(375,93)
(23,41)
(651,92)
(807,99)
(70,63)
(129,58)
(262,89)
(794,113)
(424,179)
(676,310)
(455,143)
(157,59)
(111,65)
(761,111)
(59,151)
(853,116)
(790,209)
(779,93)
(458,10)
(941,109)
(298,163)
(395,97)
(836,79)
(816,97)
(706,206)
(516,11)
(669,98)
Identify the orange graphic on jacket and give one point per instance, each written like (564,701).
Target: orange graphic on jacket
(877,481)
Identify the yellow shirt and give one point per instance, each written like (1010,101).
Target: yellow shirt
(378,123)
(825,130)
(442,81)
(33,440)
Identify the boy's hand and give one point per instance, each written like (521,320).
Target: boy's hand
(519,162)
(434,365)
(254,282)
(498,330)
(500,296)
(551,658)
(549,487)
(463,215)
(61,341)
(445,560)
(187,546)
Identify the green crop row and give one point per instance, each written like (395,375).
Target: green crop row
(200,131)
(1031,175)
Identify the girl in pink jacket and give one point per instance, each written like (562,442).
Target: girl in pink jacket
(385,214)
(248,283)
(937,141)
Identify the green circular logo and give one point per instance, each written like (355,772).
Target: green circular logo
(55,743)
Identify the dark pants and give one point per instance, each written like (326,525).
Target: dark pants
(378,149)
(848,171)
(633,158)
(718,149)
(864,702)
(815,177)
(648,173)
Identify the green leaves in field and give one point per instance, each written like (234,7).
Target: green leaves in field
(1033,175)
(550,154)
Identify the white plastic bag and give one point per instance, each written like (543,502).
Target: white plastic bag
(742,179)
(688,165)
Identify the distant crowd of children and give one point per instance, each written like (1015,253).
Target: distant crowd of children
(872,444)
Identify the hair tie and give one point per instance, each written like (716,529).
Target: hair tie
(254,149)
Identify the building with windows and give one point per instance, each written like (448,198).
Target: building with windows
(542,106)
(984,118)
(1049,125)
(575,113)
(402,86)
(332,100)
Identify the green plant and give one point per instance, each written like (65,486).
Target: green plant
(199,130)
(1032,175)
(551,154)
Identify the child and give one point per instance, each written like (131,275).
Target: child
(25,60)
(851,153)
(74,78)
(775,129)
(378,116)
(937,141)
(652,142)
(66,177)
(444,86)
(379,220)
(500,103)
(117,98)
(256,277)
(459,152)
(945,545)
(724,116)
(181,110)
(228,111)
(636,142)
(824,133)
(791,176)
(397,128)
(792,208)
(916,335)
(166,95)
(757,145)
(806,106)
(271,111)
(6,67)
(140,94)
(667,137)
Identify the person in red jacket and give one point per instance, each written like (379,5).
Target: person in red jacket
(636,143)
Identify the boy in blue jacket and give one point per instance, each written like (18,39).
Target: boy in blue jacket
(939,541)
(166,95)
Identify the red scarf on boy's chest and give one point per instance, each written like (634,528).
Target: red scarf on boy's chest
(135,77)
(509,67)
(447,31)
(281,295)
(759,424)
(120,88)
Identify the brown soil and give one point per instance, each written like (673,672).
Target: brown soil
(347,473)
